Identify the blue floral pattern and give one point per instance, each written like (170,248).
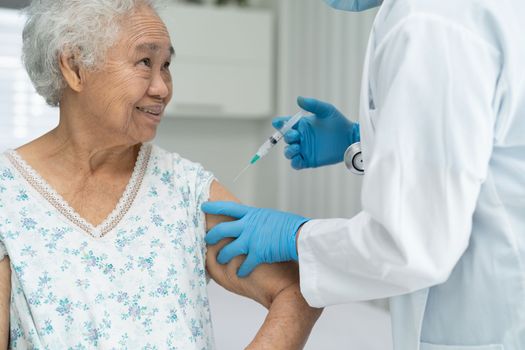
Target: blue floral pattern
(140,286)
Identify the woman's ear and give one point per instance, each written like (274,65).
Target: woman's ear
(71,71)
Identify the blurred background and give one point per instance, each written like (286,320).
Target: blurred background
(238,64)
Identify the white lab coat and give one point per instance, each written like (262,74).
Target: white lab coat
(442,229)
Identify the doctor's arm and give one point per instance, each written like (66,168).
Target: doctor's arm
(276,287)
(5,294)
(434,86)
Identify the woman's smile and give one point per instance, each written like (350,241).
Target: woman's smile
(153,112)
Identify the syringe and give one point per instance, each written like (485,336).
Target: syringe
(272,141)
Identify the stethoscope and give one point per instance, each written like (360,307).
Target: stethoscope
(354,159)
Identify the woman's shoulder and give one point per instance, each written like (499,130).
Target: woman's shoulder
(171,163)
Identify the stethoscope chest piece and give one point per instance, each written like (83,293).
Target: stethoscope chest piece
(354,159)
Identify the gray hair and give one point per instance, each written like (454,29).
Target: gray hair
(88,27)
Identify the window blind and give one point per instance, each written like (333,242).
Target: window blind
(24,114)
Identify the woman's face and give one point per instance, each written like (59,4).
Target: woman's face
(127,96)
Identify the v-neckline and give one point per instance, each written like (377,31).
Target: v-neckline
(58,202)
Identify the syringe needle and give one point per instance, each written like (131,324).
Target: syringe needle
(242,171)
(272,141)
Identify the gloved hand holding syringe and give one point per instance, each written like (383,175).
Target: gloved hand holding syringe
(272,141)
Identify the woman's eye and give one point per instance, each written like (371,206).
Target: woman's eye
(146,62)
(167,65)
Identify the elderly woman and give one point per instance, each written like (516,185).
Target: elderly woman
(101,233)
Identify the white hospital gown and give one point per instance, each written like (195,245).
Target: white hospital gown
(136,281)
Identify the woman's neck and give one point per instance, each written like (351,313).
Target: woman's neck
(81,152)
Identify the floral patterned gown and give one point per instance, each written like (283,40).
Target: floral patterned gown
(136,281)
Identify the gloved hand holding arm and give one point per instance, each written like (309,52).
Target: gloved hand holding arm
(319,140)
(275,286)
(264,235)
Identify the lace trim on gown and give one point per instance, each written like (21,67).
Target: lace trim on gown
(55,199)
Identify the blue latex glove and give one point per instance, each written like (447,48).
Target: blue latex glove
(264,235)
(321,139)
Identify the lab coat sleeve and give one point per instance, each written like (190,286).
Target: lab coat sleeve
(433,85)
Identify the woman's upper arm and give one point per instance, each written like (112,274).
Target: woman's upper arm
(265,282)
(5,295)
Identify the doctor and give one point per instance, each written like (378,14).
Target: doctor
(442,229)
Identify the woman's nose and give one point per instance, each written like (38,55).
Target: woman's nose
(159,86)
